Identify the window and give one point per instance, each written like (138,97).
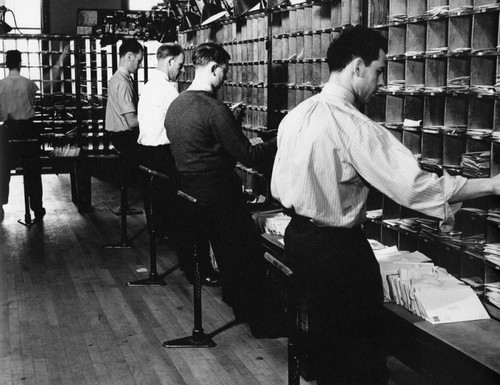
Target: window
(26,14)
(143,5)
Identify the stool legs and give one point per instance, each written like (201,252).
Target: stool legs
(198,339)
(154,279)
(27,215)
(123,211)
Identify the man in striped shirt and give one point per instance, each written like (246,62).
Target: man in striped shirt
(329,153)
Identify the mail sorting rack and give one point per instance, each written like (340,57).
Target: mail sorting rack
(442,70)
(245,39)
(300,35)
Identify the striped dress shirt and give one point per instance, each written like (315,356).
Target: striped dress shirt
(328,155)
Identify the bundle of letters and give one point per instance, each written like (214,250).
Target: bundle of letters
(414,282)
(492,293)
(492,253)
(476,164)
(277,224)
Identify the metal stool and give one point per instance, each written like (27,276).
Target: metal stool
(293,317)
(154,278)
(123,210)
(198,339)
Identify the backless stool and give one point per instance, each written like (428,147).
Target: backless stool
(154,278)
(123,210)
(194,212)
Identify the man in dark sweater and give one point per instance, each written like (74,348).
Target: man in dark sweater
(206,143)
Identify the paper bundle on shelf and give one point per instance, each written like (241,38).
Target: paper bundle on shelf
(492,293)
(476,164)
(411,280)
(458,84)
(277,224)
(440,10)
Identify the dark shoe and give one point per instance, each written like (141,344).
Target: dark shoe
(268,329)
(39,214)
(269,324)
(2,214)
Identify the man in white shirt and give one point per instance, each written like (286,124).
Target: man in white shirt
(153,144)
(329,153)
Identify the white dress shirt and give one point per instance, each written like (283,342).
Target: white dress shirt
(156,96)
(328,154)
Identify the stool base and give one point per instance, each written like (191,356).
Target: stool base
(27,221)
(198,340)
(151,281)
(117,210)
(122,245)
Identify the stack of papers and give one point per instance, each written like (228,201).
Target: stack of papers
(374,214)
(411,123)
(440,10)
(492,293)
(411,280)
(494,215)
(462,9)
(397,18)
(482,132)
(434,89)
(431,163)
(394,85)
(481,89)
(414,53)
(476,164)
(277,224)
(454,130)
(437,50)
(414,88)
(492,253)
(460,50)
(458,84)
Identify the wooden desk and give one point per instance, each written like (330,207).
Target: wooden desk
(462,353)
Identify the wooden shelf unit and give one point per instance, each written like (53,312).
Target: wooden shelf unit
(441,58)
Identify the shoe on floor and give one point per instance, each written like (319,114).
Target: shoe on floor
(2,214)
(273,324)
(39,214)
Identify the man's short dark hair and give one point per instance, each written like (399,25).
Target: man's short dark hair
(207,52)
(130,45)
(13,59)
(168,49)
(358,41)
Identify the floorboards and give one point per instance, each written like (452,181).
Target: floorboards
(67,317)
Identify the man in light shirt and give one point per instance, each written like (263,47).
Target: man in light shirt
(154,147)
(17,100)
(329,153)
(121,106)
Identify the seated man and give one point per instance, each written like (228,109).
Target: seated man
(206,143)
(154,149)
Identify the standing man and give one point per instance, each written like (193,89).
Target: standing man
(17,99)
(329,154)
(121,106)
(206,143)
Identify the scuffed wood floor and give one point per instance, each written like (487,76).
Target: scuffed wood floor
(67,317)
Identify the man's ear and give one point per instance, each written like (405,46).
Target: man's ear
(357,65)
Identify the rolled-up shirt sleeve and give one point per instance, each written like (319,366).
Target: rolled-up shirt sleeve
(391,168)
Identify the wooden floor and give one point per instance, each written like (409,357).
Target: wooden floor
(66,316)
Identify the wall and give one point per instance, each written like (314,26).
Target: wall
(62,13)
